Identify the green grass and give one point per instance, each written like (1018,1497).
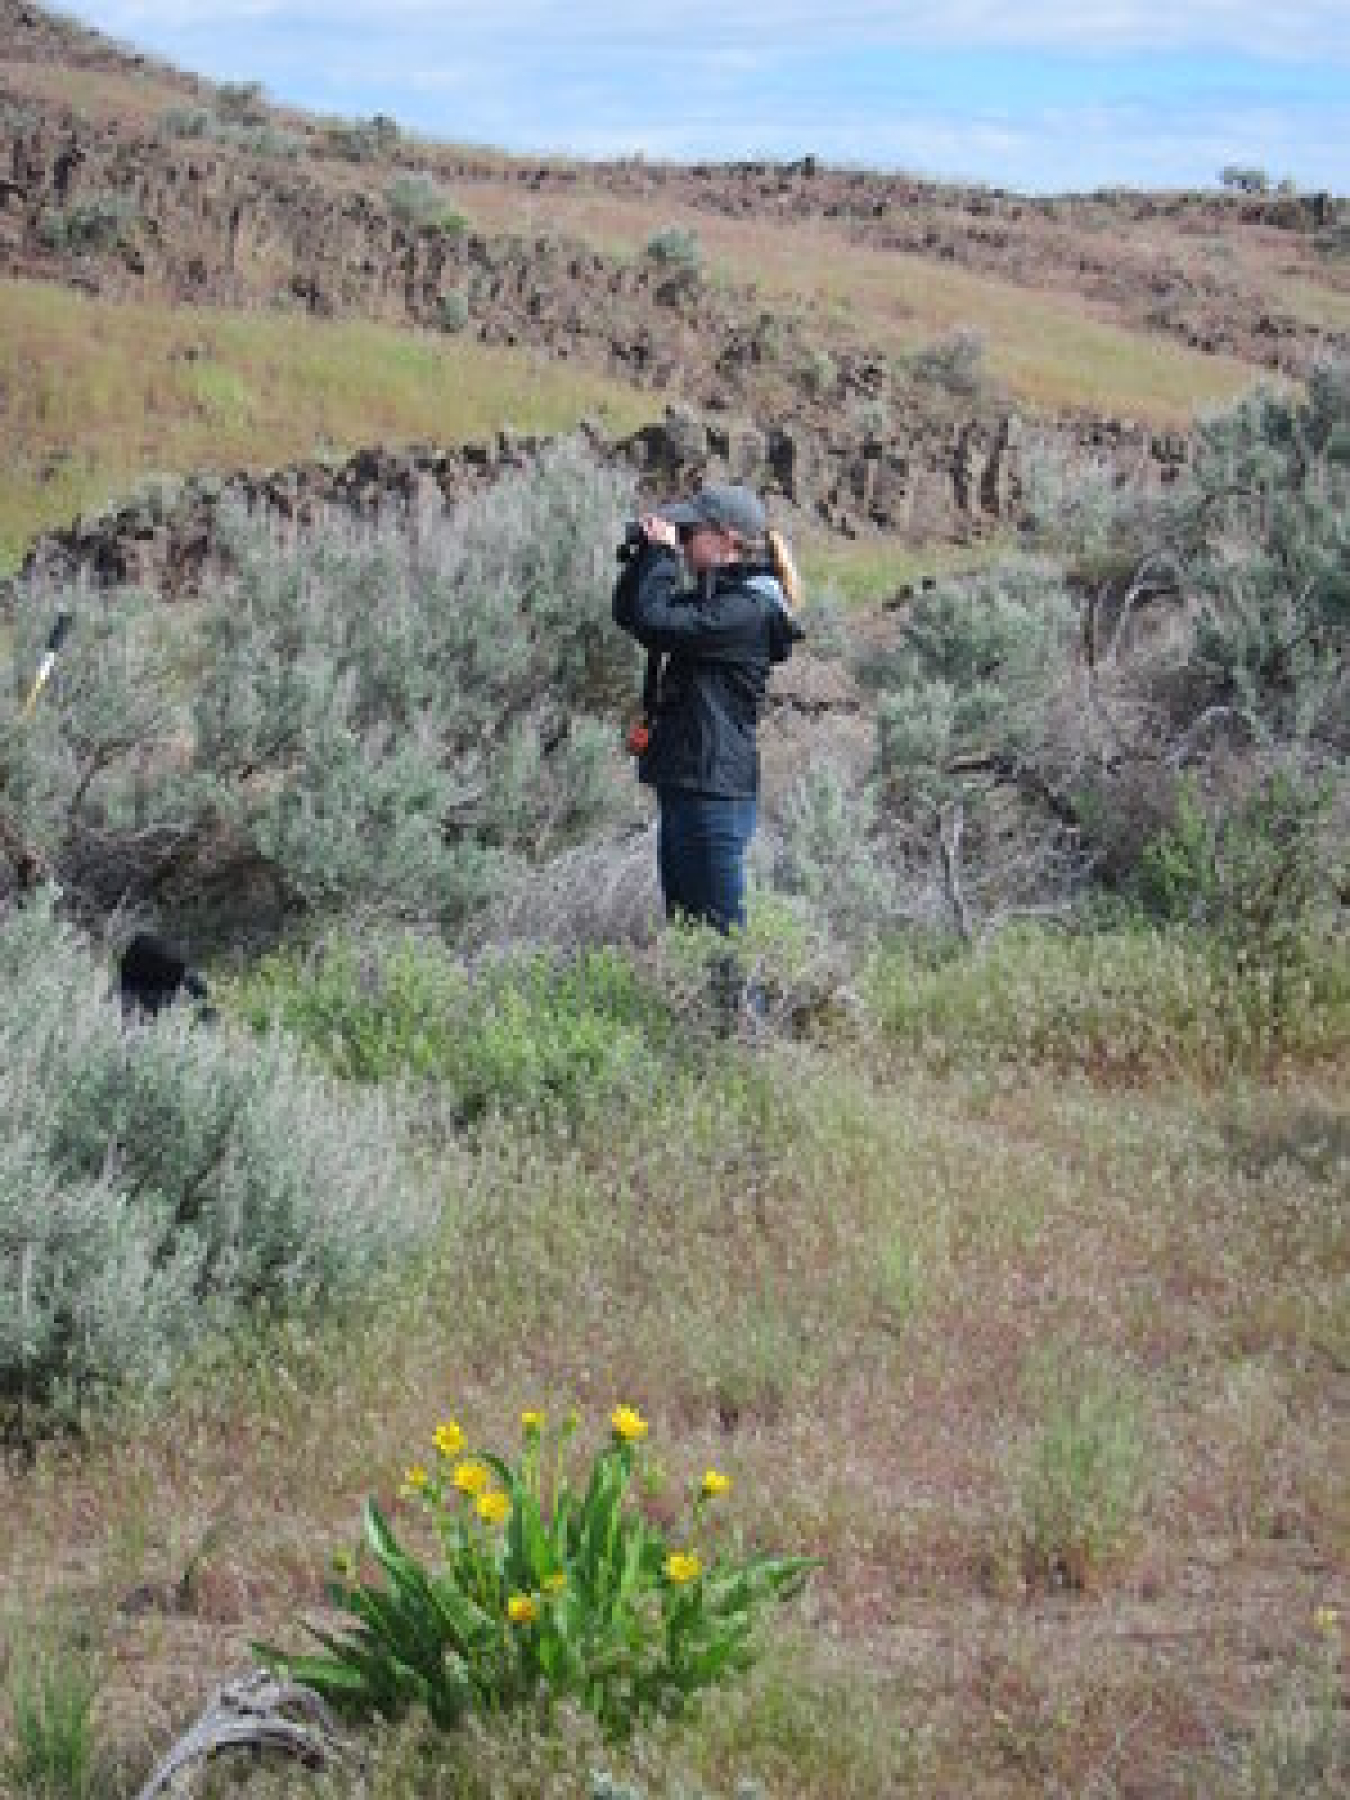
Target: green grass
(1122,1003)
(94,395)
(863,571)
(526,1038)
(51,1689)
(1082,1482)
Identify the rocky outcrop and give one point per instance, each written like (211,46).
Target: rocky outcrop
(173,537)
(956,485)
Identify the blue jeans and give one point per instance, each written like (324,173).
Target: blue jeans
(700,848)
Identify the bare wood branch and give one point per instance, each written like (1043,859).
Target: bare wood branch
(92,768)
(1153,579)
(256,1711)
(1090,619)
(951,823)
(29,867)
(1019,774)
(1180,754)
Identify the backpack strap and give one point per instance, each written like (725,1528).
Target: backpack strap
(651,684)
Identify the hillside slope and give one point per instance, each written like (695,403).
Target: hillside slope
(872,348)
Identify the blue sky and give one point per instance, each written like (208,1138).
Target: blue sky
(1044,97)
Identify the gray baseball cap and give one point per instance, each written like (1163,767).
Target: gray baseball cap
(724,505)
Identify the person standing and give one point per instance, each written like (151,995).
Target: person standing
(717,635)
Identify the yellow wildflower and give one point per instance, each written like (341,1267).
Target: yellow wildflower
(715,1484)
(415,1478)
(628,1423)
(1326,1619)
(683,1567)
(555,1583)
(470,1477)
(520,1609)
(532,1421)
(449,1438)
(495,1507)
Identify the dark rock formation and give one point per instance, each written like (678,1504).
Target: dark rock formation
(956,484)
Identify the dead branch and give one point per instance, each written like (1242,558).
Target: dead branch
(254,1712)
(1153,579)
(951,823)
(1181,753)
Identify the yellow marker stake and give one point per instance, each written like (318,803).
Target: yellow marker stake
(45,668)
(55,639)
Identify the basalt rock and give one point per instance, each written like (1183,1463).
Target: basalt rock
(953,485)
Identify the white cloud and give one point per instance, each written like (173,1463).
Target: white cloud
(1315,29)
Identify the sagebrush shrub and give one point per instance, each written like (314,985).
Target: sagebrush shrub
(967,741)
(186,121)
(100,222)
(354,140)
(454,311)
(16,119)
(676,248)
(420,201)
(391,718)
(954,362)
(828,852)
(1263,531)
(157,1179)
(1246,178)
(241,102)
(979,663)
(1172,625)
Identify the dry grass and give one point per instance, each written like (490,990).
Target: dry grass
(842,1288)
(1051,349)
(103,94)
(94,395)
(1326,306)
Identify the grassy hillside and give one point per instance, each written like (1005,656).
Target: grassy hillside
(100,93)
(1054,351)
(94,395)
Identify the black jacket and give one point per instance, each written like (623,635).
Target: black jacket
(719,641)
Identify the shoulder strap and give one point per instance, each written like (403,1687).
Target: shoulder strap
(651,683)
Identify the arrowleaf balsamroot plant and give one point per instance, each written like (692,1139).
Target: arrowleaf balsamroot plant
(542,1592)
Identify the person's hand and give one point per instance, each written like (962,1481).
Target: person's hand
(660,531)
